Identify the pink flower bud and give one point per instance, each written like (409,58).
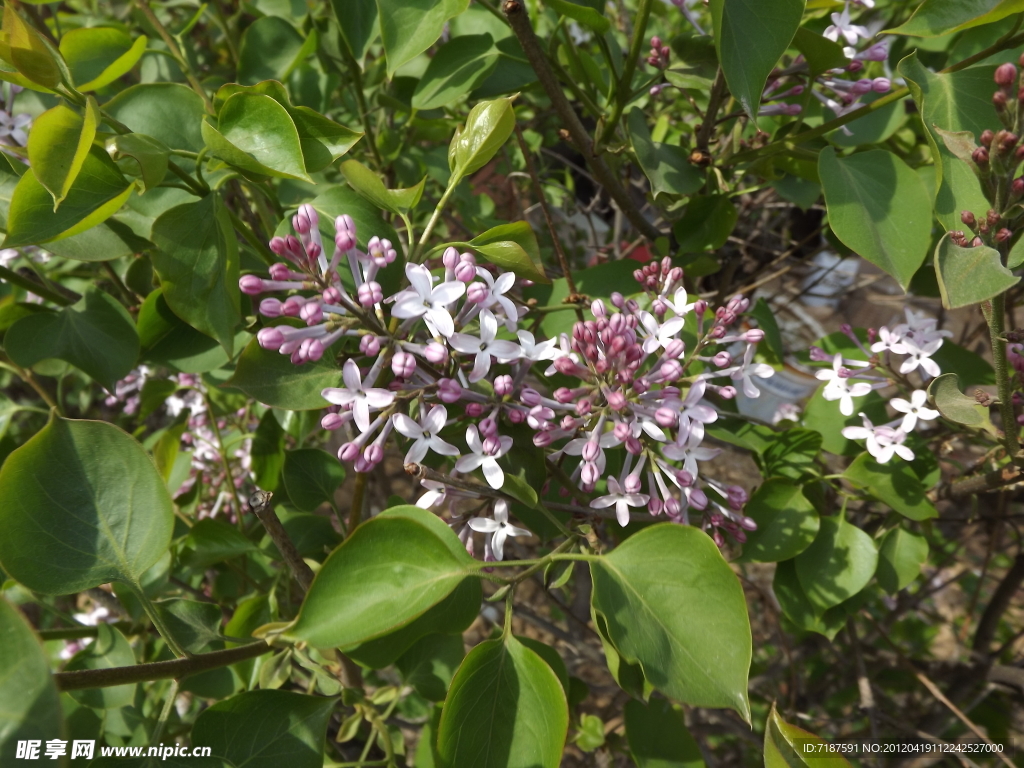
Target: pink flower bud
(270,338)
(516,416)
(722,359)
(1005,75)
(564,395)
(700,307)
(530,397)
(542,439)
(348,452)
(632,483)
(403,365)
(373,454)
(474,410)
(331,421)
(270,308)
(313,349)
(656,506)
(666,417)
(477,293)
(370,293)
(280,271)
(345,240)
(565,365)
(753,336)
(881,85)
(278,245)
(590,474)
(617,300)
(450,257)
(311,312)
(345,222)
(503,385)
(671,370)
(449,391)
(584,406)
(250,284)
(369,345)
(465,272)
(436,354)
(727,393)
(616,400)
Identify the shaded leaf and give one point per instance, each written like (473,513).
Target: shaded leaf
(970,275)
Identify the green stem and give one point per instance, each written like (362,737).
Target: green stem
(224,462)
(435,216)
(364,114)
(355,513)
(996,317)
(623,91)
(250,237)
(157,670)
(172,46)
(158,622)
(16,278)
(165,713)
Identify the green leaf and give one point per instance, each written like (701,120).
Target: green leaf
(431,663)
(140,156)
(878,207)
(167,340)
(900,559)
(96,335)
(821,53)
(266,729)
(970,275)
(109,649)
(311,477)
(787,522)
(525,721)
(584,14)
(83,505)
(514,247)
(388,572)
(256,135)
(955,405)
(941,17)
(97,192)
(273,380)
(766,322)
(873,128)
(797,607)
(169,112)
(32,709)
(97,56)
(459,66)
(785,746)
(893,483)
(488,126)
(212,541)
(358,22)
(699,656)
(197,261)
(658,737)
(368,184)
(551,657)
(58,145)
(409,27)
(630,677)
(270,49)
(838,565)
(29,52)
(268,452)
(667,166)
(706,224)
(957,101)
(750,38)
(193,624)
(823,417)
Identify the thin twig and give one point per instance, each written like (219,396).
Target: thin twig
(260,504)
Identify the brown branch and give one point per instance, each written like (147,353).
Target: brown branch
(515,12)
(158,670)
(260,504)
(989,622)
(707,128)
(990,481)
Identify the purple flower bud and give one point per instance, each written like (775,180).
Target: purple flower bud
(655,90)
(465,272)
(477,293)
(565,365)
(673,508)
(659,307)
(722,359)
(250,284)
(312,312)
(727,393)
(450,257)
(345,240)
(403,365)
(492,446)
(861,86)
(370,293)
(530,397)
(753,336)
(279,271)
(436,354)
(270,308)
(632,483)
(278,245)
(632,306)
(542,439)
(564,395)
(516,416)
(346,222)
(665,417)
(641,385)
(292,306)
(590,474)
(369,345)
(584,406)
(617,300)
(698,498)
(348,452)
(373,454)
(597,308)
(675,349)
(881,85)
(591,450)
(616,400)
(700,307)
(671,370)
(503,385)
(270,338)
(980,157)
(656,506)
(685,478)
(313,349)
(1005,75)
(474,410)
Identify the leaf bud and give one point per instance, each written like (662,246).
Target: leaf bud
(980,157)
(1003,235)
(967,217)
(1005,75)
(992,217)
(986,138)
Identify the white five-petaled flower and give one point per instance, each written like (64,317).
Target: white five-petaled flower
(678,303)
(920,356)
(535,352)
(496,290)
(659,335)
(841,388)
(882,442)
(686,449)
(425,435)
(841,27)
(428,301)
(14,127)
(484,346)
(485,460)
(744,372)
(360,398)
(890,341)
(914,409)
(622,501)
(500,527)
(693,414)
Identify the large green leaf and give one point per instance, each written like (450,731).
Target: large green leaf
(900,559)
(700,655)
(409,27)
(585,13)
(271,48)
(799,609)
(140,156)
(838,565)
(357,20)
(525,718)
(97,56)
(786,746)
(256,134)
(514,247)
(311,477)
(368,184)
(459,66)
(197,261)
(96,335)
(955,405)
(667,166)
(750,37)
(194,624)
(431,663)
(168,340)
(940,17)
(970,275)
(488,126)
(893,483)
(879,208)
(97,192)
(266,729)
(388,572)
(58,145)
(706,224)
(274,380)
(658,737)
(957,101)
(109,649)
(169,112)
(29,703)
(83,505)
(786,522)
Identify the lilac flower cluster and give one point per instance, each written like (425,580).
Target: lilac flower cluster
(916,341)
(453,341)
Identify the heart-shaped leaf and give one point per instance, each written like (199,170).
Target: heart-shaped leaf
(786,522)
(970,275)
(109,649)
(955,405)
(893,483)
(274,380)
(97,56)
(838,565)
(83,505)
(458,67)
(900,559)
(699,655)
(58,145)
(96,335)
(514,247)
(409,27)
(271,48)
(526,718)
(368,184)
